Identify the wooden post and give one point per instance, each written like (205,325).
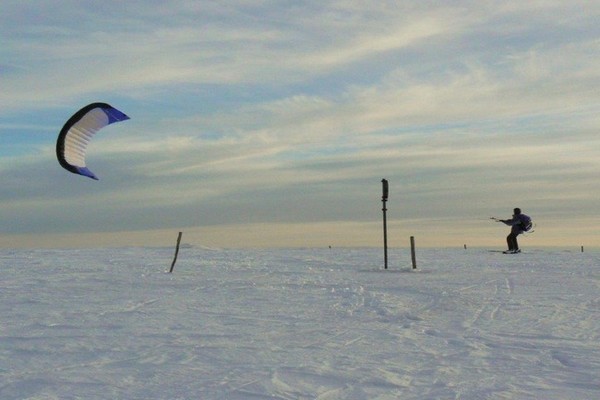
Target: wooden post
(582,249)
(412,252)
(176,252)
(384,198)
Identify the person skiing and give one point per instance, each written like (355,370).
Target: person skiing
(519,223)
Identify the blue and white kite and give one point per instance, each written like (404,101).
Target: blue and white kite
(78,131)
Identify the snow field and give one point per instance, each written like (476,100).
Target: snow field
(298,324)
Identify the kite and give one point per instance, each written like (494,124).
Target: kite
(78,131)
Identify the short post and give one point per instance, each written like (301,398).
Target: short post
(412,252)
(582,249)
(384,198)
(176,252)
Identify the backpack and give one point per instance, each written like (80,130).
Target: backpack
(526,223)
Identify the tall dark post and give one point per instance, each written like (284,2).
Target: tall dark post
(412,252)
(384,198)
(176,252)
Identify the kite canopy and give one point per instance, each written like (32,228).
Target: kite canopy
(74,137)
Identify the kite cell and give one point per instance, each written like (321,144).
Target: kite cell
(78,131)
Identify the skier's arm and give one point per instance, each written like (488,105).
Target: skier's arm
(511,222)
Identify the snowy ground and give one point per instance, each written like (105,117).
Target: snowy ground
(299,324)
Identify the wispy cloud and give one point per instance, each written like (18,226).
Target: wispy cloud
(264,112)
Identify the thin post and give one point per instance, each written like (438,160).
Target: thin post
(176,252)
(582,249)
(384,198)
(412,252)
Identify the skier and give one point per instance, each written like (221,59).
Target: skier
(519,223)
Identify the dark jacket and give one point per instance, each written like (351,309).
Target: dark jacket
(519,222)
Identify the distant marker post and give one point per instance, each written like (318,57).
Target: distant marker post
(413,255)
(176,252)
(384,197)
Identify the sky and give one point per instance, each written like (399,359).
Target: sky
(258,123)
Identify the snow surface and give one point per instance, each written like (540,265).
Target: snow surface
(299,324)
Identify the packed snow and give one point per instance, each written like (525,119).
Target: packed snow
(299,324)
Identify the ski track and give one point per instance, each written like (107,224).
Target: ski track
(297,324)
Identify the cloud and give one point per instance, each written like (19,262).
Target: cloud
(255,112)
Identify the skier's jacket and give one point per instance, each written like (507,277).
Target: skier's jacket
(520,222)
